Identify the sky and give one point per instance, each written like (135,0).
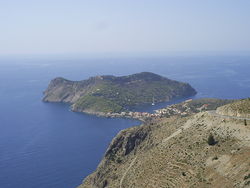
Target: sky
(123,26)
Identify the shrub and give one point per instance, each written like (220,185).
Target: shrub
(211,141)
(246,177)
(215,158)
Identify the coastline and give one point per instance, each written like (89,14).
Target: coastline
(141,116)
(167,111)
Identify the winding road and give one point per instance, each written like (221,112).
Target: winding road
(213,112)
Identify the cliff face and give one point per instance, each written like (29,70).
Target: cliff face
(62,90)
(174,152)
(122,147)
(103,94)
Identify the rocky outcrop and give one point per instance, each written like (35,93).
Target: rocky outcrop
(126,141)
(63,90)
(122,147)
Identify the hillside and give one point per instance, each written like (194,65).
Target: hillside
(174,152)
(240,108)
(109,94)
(189,107)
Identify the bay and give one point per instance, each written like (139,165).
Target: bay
(45,145)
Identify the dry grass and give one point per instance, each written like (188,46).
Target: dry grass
(185,160)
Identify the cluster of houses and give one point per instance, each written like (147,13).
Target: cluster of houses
(146,115)
(168,111)
(134,115)
(182,110)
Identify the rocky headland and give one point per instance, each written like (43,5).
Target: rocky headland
(175,151)
(110,95)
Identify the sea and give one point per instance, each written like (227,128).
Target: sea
(45,145)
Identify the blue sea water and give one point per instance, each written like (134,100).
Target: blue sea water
(44,145)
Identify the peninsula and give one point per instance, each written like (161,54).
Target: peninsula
(108,95)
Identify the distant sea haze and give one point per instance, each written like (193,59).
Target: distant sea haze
(46,145)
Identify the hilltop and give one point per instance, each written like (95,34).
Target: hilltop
(110,94)
(174,152)
(240,108)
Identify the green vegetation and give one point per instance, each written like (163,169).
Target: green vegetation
(247,177)
(116,94)
(98,104)
(211,141)
(215,158)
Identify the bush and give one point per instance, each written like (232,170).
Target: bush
(211,141)
(215,158)
(246,177)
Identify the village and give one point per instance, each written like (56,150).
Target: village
(142,116)
(182,109)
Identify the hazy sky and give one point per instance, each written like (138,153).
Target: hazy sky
(123,26)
